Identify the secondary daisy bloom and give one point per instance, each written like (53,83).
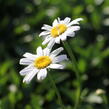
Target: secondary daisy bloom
(60,29)
(39,63)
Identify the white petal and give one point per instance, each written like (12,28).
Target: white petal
(51,43)
(46,51)
(26,70)
(42,74)
(46,27)
(70,33)
(76,21)
(60,58)
(57,51)
(57,40)
(67,20)
(44,33)
(39,51)
(55,22)
(30,75)
(59,20)
(25,61)
(63,37)
(30,56)
(56,66)
(75,28)
(62,22)
(46,40)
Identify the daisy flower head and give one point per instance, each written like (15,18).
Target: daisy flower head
(60,29)
(39,63)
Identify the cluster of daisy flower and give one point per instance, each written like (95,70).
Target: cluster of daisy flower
(46,58)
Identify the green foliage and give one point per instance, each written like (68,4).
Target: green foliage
(20,24)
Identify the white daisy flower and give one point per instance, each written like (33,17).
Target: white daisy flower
(40,62)
(60,29)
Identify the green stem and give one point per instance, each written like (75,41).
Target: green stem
(77,73)
(56,90)
(105,101)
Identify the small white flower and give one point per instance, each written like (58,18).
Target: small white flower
(60,29)
(40,62)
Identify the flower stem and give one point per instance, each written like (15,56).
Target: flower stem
(77,73)
(105,101)
(56,90)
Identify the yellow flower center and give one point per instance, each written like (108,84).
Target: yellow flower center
(57,30)
(42,62)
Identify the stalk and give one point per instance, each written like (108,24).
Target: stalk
(77,73)
(57,92)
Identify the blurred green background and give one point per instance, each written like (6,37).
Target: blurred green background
(20,24)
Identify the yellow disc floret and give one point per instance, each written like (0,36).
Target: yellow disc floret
(58,30)
(42,62)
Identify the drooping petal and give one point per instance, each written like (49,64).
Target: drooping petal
(26,70)
(42,74)
(25,61)
(39,51)
(30,75)
(76,21)
(60,58)
(56,66)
